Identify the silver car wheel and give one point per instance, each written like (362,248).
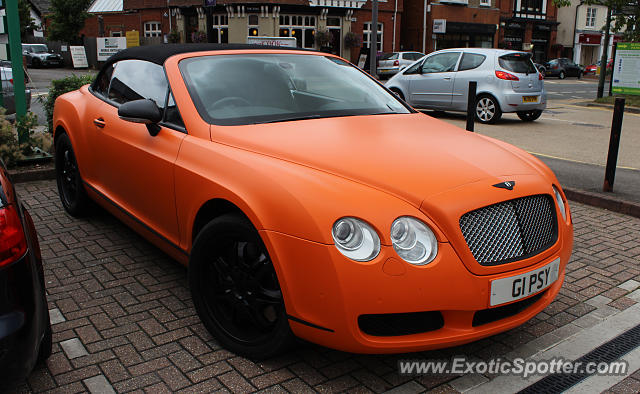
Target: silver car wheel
(485,109)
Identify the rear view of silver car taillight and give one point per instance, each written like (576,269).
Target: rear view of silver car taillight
(13,244)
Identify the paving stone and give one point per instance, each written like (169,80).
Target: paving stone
(56,316)
(98,385)
(73,348)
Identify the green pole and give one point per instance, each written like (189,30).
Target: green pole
(15,49)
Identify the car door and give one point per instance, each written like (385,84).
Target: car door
(137,169)
(468,70)
(432,87)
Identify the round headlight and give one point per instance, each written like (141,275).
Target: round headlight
(413,240)
(560,202)
(356,239)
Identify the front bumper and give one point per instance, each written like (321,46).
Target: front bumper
(325,294)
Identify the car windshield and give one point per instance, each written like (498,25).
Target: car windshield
(517,63)
(39,48)
(264,88)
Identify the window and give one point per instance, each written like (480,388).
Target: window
(116,34)
(101,84)
(591,16)
(518,63)
(413,56)
(470,61)
(532,9)
(220,29)
(275,88)
(485,3)
(302,28)
(138,79)
(253,20)
(442,62)
(366,36)
(152,29)
(171,114)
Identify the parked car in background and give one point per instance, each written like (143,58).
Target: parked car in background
(25,329)
(391,63)
(38,55)
(563,68)
(6,76)
(507,80)
(308,201)
(541,69)
(593,68)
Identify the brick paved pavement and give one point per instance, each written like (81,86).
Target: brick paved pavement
(124,320)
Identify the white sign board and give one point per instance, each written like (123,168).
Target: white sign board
(78,57)
(273,41)
(108,46)
(626,69)
(440,26)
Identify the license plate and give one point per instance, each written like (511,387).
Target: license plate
(529,99)
(523,285)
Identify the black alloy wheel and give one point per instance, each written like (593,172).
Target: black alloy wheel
(235,289)
(70,188)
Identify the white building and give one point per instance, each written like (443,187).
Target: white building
(581,32)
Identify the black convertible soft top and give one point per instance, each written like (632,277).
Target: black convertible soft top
(159,53)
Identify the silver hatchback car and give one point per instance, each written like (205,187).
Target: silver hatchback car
(508,81)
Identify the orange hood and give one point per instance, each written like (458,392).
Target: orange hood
(412,156)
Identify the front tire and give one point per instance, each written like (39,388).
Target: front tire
(529,116)
(236,291)
(487,110)
(70,188)
(561,75)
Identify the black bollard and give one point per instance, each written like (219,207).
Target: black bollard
(614,144)
(471,105)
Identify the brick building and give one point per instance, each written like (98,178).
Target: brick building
(234,20)
(529,25)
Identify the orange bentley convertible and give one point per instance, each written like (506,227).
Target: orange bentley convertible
(308,201)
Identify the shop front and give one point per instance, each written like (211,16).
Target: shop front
(466,35)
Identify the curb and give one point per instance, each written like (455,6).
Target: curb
(631,110)
(40,174)
(610,203)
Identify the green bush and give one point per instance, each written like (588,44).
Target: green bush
(59,87)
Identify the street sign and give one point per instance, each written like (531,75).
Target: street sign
(133,38)
(626,69)
(440,26)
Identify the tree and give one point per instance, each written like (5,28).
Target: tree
(67,19)
(27,24)
(625,14)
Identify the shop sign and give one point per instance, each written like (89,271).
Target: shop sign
(78,57)
(589,39)
(108,46)
(626,68)
(440,26)
(290,42)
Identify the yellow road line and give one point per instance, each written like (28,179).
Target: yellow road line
(578,161)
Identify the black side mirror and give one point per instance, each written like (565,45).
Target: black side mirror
(142,111)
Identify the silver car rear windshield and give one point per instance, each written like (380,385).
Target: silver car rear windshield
(266,88)
(518,63)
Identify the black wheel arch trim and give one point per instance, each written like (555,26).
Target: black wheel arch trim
(131,216)
(306,323)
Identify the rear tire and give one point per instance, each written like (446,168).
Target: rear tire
(529,116)
(561,75)
(487,109)
(236,291)
(70,187)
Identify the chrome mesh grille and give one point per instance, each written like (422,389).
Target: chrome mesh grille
(510,230)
